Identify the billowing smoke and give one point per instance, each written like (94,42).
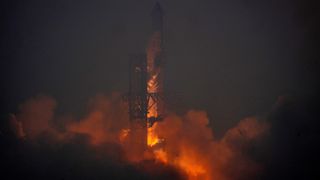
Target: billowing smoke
(190,148)
(86,148)
(105,121)
(190,145)
(34,117)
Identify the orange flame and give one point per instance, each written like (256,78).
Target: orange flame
(153,50)
(188,163)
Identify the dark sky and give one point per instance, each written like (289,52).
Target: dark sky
(231,58)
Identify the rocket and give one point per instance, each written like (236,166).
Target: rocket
(145,96)
(157,28)
(157,18)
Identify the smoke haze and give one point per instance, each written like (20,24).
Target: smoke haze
(190,151)
(246,73)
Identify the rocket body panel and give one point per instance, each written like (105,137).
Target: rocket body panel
(157,34)
(157,18)
(154,52)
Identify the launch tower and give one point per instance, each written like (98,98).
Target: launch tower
(145,96)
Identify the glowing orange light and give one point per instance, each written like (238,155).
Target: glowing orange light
(123,134)
(153,50)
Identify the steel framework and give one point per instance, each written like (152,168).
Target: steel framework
(138,99)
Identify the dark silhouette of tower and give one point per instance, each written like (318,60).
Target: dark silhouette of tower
(141,100)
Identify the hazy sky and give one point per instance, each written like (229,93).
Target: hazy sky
(230,58)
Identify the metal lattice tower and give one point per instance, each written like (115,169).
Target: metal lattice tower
(139,100)
(138,97)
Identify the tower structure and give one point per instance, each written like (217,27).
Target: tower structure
(145,96)
(138,101)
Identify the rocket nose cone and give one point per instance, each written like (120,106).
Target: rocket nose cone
(157,17)
(157,8)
